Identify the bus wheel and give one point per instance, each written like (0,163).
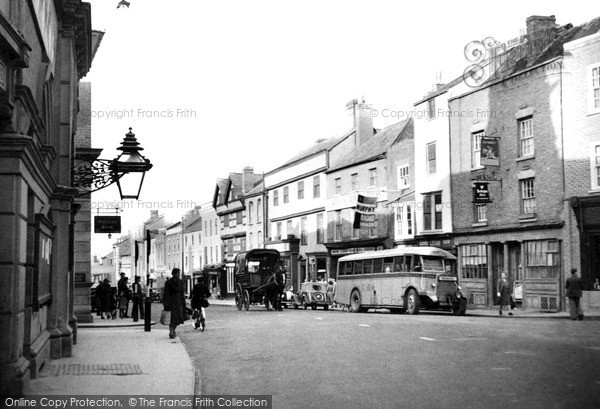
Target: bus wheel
(355,301)
(460,306)
(246,300)
(413,302)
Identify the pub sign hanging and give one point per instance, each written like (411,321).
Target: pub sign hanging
(481,192)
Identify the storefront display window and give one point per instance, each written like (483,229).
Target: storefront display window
(542,259)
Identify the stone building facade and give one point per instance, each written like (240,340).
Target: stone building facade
(46,49)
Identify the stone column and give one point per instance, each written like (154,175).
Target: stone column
(60,312)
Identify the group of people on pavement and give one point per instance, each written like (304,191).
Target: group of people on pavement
(109,299)
(573,285)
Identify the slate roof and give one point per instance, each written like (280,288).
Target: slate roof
(193,224)
(325,145)
(374,148)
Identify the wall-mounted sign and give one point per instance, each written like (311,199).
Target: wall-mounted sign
(107,224)
(490,151)
(364,215)
(481,193)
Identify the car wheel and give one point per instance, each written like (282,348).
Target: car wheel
(355,301)
(413,302)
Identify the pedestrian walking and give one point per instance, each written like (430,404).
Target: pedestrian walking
(503,292)
(200,293)
(174,301)
(124,293)
(330,292)
(574,291)
(103,295)
(137,310)
(280,280)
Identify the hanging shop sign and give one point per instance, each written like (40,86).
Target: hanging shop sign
(490,151)
(481,192)
(107,224)
(364,214)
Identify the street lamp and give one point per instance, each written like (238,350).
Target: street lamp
(127,170)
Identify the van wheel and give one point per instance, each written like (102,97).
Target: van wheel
(355,301)
(412,302)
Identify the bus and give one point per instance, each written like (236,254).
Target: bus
(403,280)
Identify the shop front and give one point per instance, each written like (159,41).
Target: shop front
(215,276)
(531,259)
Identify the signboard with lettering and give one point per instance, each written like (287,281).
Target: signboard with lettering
(107,224)
(481,193)
(364,215)
(490,151)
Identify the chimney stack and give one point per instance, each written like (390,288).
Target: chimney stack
(247,179)
(363,121)
(541,32)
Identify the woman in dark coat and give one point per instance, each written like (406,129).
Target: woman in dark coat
(103,295)
(503,289)
(174,301)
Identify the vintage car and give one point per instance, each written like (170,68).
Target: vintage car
(312,294)
(253,271)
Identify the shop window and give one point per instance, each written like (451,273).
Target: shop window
(542,259)
(473,258)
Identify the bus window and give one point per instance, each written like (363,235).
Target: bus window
(358,267)
(377,265)
(398,264)
(433,264)
(368,267)
(408,263)
(388,264)
(347,267)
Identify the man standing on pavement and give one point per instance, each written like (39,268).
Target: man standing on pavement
(123,296)
(574,291)
(137,300)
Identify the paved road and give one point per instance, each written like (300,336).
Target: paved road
(333,359)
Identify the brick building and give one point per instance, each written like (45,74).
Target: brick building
(581,108)
(524,229)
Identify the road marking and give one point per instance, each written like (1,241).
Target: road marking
(318,318)
(470,339)
(363,325)
(427,339)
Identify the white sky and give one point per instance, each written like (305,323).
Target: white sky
(266,79)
